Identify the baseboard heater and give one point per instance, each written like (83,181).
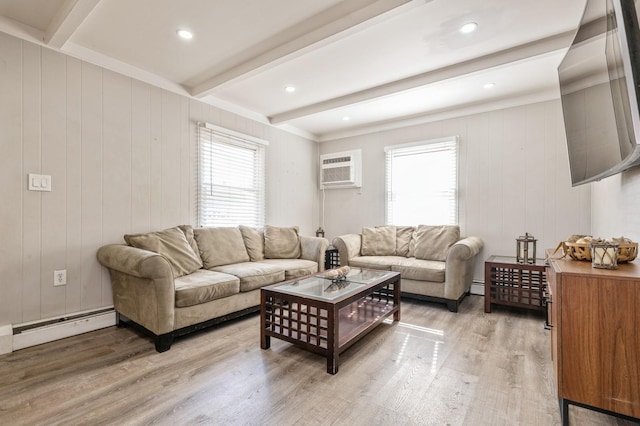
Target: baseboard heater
(43,331)
(477,287)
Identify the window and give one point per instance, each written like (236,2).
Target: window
(422,183)
(231,178)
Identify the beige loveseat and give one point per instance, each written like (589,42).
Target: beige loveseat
(434,262)
(171,282)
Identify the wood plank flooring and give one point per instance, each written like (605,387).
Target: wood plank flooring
(433,368)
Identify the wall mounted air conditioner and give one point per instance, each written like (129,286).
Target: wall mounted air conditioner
(341,170)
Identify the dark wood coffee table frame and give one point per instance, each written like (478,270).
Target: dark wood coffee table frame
(327,327)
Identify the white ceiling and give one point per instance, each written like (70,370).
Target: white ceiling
(382,63)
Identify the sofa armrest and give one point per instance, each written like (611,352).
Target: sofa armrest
(142,285)
(134,261)
(465,249)
(314,248)
(459,266)
(348,246)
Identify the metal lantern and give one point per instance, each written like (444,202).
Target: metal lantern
(526,248)
(320,232)
(604,255)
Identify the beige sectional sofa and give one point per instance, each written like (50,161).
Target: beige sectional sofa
(181,279)
(435,263)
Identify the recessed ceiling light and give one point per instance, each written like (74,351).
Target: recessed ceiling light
(468,28)
(489,85)
(185,34)
(346,118)
(289,89)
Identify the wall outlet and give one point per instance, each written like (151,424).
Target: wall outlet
(60,277)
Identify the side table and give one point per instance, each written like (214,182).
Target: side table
(509,283)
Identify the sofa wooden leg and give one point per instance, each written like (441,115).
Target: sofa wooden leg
(163,342)
(452,305)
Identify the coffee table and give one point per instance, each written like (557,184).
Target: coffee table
(325,316)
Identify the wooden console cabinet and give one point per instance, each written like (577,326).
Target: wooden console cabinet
(594,316)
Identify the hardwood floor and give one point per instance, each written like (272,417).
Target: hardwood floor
(433,368)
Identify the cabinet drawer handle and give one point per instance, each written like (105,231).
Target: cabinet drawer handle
(548,325)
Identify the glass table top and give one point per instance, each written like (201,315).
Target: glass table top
(512,259)
(325,288)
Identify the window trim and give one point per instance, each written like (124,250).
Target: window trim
(454,140)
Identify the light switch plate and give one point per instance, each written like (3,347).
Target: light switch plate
(39,182)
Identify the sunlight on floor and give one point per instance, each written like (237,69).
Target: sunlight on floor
(431,331)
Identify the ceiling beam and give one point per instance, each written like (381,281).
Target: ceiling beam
(67,20)
(517,53)
(20,30)
(336,22)
(470,108)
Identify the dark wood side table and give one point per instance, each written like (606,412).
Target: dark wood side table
(509,283)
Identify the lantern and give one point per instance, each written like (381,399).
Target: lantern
(526,248)
(604,255)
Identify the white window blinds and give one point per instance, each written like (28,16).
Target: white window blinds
(231,178)
(422,183)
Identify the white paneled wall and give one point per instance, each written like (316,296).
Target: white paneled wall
(615,206)
(122,156)
(514,178)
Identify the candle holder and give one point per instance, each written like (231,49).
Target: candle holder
(604,255)
(526,248)
(320,232)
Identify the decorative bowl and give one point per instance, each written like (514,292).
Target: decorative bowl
(581,251)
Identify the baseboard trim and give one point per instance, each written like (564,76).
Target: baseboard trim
(477,288)
(50,330)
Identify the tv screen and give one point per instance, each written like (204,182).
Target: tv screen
(598,87)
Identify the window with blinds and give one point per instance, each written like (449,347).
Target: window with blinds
(422,183)
(231,177)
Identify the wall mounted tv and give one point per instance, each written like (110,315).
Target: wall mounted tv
(599,79)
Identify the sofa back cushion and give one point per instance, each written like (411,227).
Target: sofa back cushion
(253,241)
(403,239)
(220,246)
(191,239)
(379,241)
(281,243)
(171,243)
(433,242)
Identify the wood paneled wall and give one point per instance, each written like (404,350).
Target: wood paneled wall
(513,178)
(122,156)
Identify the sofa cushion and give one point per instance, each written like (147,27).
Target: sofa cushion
(253,274)
(420,270)
(253,241)
(281,243)
(379,241)
(191,239)
(220,246)
(433,242)
(294,268)
(375,262)
(403,239)
(203,286)
(173,245)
